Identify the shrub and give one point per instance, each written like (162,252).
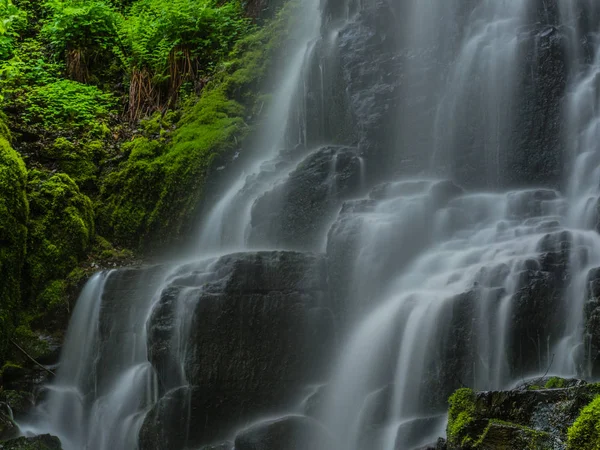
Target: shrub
(82,32)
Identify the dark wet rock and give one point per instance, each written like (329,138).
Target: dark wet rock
(41,442)
(261,329)
(592,322)
(410,433)
(444,191)
(308,199)
(221,446)
(378,407)
(370,64)
(537,142)
(287,433)
(524,204)
(20,402)
(167,424)
(314,402)
(8,427)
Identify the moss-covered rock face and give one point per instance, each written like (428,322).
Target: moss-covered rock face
(61,229)
(461,417)
(156,192)
(526,419)
(14,213)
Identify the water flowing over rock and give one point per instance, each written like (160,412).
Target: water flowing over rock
(419,213)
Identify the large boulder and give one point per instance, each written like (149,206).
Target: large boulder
(259,329)
(537,415)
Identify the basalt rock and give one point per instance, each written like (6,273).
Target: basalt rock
(309,199)
(260,329)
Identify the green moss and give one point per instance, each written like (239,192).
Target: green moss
(555,383)
(584,434)
(61,231)
(533,387)
(14,213)
(80,160)
(509,435)
(68,104)
(460,417)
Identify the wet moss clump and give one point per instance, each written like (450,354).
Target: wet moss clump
(14,214)
(461,416)
(555,383)
(61,231)
(584,434)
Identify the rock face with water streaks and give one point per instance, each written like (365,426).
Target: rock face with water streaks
(296,212)
(259,327)
(287,433)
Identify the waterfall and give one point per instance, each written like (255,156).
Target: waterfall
(438,161)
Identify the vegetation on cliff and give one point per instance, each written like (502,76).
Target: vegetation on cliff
(118,110)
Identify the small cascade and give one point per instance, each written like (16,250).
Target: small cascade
(105,383)
(226,225)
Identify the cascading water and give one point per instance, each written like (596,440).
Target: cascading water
(432,286)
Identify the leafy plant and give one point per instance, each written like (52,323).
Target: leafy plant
(12,20)
(69,104)
(81,32)
(169,43)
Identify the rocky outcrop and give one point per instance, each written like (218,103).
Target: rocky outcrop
(260,329)
(296,212)
(538,415)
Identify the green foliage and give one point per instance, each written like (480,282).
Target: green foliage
(61,231)
(81,24)
(156,31)
(584,434)
(82,32)
(460,416)
(26,68)
(12,21)
(14,213)
(157,190)
(68,104)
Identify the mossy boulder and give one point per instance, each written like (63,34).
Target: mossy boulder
(14,214)
(525,418)
(61,230)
